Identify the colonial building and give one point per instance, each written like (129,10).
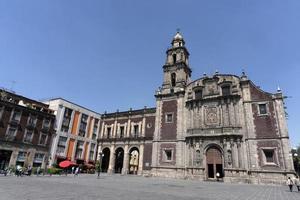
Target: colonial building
(77,131)
(26,129)
(222,124)
(125,141)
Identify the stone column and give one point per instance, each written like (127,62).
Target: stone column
(111,167)
(13,157)
(126,160)
(128,128)
(234,154)
(114,133)
(141,156)
(239,149)
(143,126)
(102,131)
(225,153)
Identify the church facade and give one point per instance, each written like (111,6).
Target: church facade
(216,127)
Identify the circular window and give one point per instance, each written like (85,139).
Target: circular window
(149,125)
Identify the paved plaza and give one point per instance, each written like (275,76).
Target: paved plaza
(116,187)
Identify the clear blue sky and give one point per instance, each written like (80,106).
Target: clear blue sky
(108,54)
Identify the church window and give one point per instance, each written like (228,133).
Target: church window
(269,155)
(169,117)
(173,79)
(135,131)
(174,58)
(108,132)
(226,90)
(168,155)
(121,131)
(262,109)
(198,94)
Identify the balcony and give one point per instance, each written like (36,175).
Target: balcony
(30,126)
(14,122)
(45,129)
(10,137)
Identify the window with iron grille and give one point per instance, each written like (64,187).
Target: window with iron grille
(121,131)
(32,120)
(95,129)
(83,125)
(16,115)
(108,132)
(66,120)
(43,139)
(135,131)
(262,108)
(28,136)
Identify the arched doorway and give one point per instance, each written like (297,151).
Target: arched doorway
(134,160)
(119,160)
(214,162)
(105,159)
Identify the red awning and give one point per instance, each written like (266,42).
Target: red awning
(66,163)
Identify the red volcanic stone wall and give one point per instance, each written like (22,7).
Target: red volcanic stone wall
(149,132)
(110,122)
(265,125)
(122,121)
(167,146)
(168,130)
(272,144)
(259,95)
(136,120)
(147,156)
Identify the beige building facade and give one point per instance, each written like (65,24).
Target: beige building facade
(77,130)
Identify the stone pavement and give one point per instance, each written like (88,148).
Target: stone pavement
(116,187)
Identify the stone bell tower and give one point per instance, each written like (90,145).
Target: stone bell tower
(169,136)
(177,72)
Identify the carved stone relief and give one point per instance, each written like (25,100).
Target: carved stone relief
(211,116)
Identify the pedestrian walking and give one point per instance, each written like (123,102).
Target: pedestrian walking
(297,183)
(76,171)
(29,170)
(38,170)
(290,183)
(73,170)
(218,176)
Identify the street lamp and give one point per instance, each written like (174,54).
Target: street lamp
(99,164)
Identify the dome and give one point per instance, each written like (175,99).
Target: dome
(178,36)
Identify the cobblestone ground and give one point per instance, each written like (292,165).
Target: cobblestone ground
(133,187)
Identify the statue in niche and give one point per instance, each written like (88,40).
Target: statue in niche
(134,162)
(229,157)
(198,158)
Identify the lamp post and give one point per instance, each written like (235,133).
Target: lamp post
(99,164)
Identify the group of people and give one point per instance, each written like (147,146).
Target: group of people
(75,171)
(291,182)
(20,171)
